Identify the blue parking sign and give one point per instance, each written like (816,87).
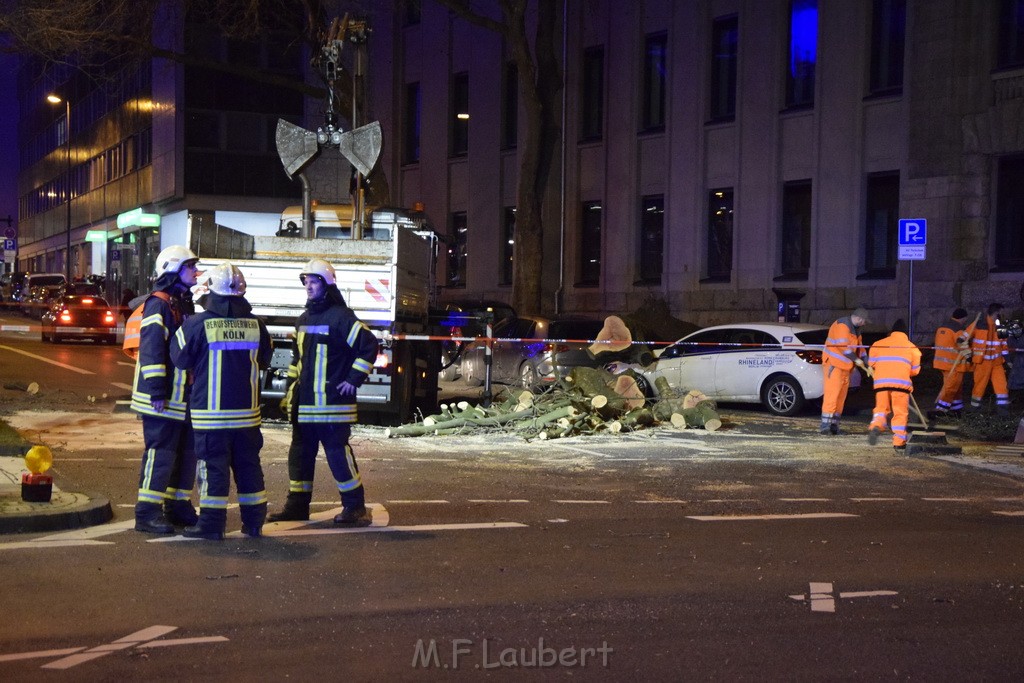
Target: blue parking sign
(913,232)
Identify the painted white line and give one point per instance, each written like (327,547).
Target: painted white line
(873,500)
(821,597)
(40,653)
(15,328)
(485,500)
(119,644)
(126,363)
(49,544)
(417,502)
(660,502)
(1018,499)
(805,500)
(625,459)
(582,502)
(1009,513)
(948,500)
(574,449)
(47,360)
(183,641)
(63,459)
(748,518)
(121,385)
(866,594)
(432,459)
(389,529)
(733,500)
(558,521)
(90,532)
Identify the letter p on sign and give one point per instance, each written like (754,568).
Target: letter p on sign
(913,231)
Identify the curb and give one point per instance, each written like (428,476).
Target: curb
(57,515)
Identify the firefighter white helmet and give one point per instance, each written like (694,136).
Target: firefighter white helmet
(226,280)
(319,267)
(172,258)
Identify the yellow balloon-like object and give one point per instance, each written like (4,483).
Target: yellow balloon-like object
(38,459)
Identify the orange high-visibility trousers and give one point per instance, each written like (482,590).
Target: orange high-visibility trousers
(837,384)
(951,395)
(983,373)
(898,403)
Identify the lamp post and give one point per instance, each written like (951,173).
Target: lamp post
(54,99)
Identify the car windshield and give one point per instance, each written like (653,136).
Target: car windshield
(46,280)
(813,337)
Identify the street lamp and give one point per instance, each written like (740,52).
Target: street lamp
(54,99)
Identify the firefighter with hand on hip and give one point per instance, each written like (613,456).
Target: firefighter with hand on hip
(989,357)
(225,347)
(159,396)
(953,359)
(843,350)
(893,361)
(334,354)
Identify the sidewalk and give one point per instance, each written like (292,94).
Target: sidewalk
(66,510)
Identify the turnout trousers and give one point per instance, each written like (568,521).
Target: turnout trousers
(222,452)
(898,403)
(306,440)
(168,463)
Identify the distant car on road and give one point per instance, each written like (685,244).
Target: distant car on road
(530,363)
(466,318)
(776,364)
(11,287)
(76,316)
(39,290)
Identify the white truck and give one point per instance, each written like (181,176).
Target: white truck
(387,278)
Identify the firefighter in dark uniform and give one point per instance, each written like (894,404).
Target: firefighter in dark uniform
(334,353)
(159,395)
(225,347)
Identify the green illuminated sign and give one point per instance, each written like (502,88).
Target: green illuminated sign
(96,236)
(135,218)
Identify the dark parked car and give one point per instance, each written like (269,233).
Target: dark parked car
(528,363)
(11,287)
(39,291)
(75,316)
(466,319)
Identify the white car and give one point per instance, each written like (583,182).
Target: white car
(777,364)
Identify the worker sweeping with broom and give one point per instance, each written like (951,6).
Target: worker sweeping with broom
(892,362)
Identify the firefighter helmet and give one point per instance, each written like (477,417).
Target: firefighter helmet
(319,267)
(226,280)
(173,258)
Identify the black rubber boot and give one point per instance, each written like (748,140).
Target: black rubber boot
(180,513)
(353,515)
(296,508)
(149,519)
(253,517)
(210,526)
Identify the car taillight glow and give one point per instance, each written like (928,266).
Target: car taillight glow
(809,356)
(108,318)
(86,301)
(65,316)
(556,348)
(382,361)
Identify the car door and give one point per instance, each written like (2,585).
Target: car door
(747,357)
(690,363)
(508,355)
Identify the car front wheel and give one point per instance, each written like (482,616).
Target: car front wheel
(782,395)
(528,376)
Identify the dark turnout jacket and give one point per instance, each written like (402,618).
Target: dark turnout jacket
(225,347)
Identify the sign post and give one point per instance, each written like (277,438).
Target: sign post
(913,239)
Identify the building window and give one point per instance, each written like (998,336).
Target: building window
(457,250)
(592,109)
(460,115)
(724,49)
(803,51)
(796,230)
(888,33)
(654,80)
(720,234)
(590,244)
(510,107)
(652,238)
(412,12)
(881,221)
(508,243)
(411,124)
(1011,34)
(1010,214)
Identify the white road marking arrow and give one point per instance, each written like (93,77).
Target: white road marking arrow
(822,598)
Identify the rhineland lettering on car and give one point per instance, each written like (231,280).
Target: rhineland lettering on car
(766,361)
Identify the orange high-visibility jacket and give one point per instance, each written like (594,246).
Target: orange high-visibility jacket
(842,344)
(894,361)
(947,338)
(986,346)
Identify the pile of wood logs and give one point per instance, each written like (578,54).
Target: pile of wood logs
(588,401)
